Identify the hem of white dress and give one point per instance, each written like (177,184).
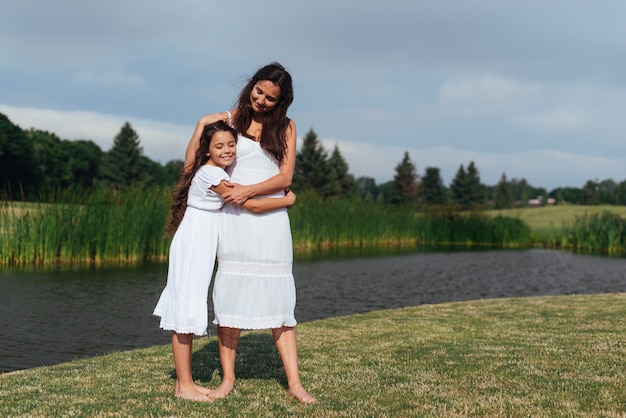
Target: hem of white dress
(231,321)
(180,330)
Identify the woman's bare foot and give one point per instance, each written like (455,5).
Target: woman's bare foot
(202,389)
(225,389)
(191,393)
(302,395)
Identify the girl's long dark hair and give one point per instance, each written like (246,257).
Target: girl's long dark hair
(177,211)
(273,136)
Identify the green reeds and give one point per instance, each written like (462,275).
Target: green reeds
(318,223)
(604,231)
(110,226)
(450,225)
(103,226)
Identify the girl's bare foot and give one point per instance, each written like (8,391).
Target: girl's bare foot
(191,394)
(302,395)
(225,389)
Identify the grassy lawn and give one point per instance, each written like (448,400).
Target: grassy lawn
(523,357)
(546,222)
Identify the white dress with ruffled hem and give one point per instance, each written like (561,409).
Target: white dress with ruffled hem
(183,305)
(254,286)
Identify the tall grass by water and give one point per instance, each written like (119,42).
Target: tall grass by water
(104,226)
(604,231)
(108,226)
(319,223)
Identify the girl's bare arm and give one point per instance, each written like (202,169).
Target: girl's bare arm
(261,205)
(192,146)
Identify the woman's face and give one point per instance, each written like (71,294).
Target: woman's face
(264,96)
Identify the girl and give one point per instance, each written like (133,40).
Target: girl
(195,214)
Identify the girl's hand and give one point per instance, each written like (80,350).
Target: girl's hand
(238,194)
(215,117)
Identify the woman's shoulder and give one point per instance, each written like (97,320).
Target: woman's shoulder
(291,129)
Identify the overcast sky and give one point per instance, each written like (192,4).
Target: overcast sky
(535,89)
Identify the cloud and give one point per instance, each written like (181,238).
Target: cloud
(160,141)
(110,79)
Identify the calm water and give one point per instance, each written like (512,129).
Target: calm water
(56,316)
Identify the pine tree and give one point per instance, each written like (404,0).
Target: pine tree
(312,169)
(121,165)
(433,191)
(341,177)
(405,181)
(503,198)
(458,188)
(476,190)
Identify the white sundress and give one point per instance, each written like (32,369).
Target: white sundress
(254,286)
(183,303)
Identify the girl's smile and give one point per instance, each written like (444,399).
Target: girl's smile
(223,149)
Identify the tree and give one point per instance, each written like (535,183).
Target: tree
(366,188)
(503,198)
(521,191)
(433,190)
(458,187)
(83,163)
(121,165)
(340,175)
(405,180)
(312,169)
(475,187)
(591,193)
(466,189)
(63,163)
(17,170)
(171,171)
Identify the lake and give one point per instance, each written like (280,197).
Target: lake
(49,317)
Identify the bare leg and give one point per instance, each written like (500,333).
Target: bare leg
(228,339)
(182,345)
(287,345)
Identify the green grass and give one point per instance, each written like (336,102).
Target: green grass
(524,357)
(547,222)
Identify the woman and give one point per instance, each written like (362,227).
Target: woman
(254,286)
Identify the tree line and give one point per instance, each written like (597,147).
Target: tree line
(328,176)
(34,163)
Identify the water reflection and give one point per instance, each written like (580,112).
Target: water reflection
(55,316)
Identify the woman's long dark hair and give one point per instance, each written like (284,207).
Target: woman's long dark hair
(177,211)
(273,136)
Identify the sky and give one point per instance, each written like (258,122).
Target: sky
(532,89)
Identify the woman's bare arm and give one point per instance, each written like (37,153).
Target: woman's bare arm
(281,181)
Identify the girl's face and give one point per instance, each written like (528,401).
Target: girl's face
(223,149)
(264,96)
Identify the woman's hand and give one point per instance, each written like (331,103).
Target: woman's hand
(291,198)
(238,194)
